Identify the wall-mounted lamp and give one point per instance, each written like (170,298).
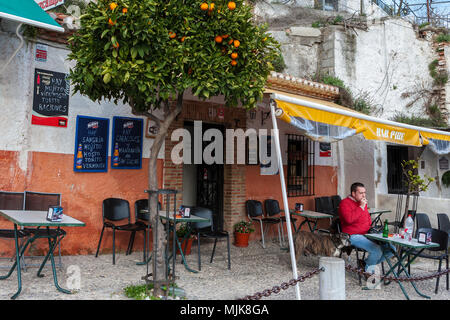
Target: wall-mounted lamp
(264,116)
(252,114)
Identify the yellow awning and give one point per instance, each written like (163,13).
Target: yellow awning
(328,122)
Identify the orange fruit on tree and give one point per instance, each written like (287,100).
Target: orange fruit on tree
(124,10)
(230,42)
(231,5)
(182,39)
(233,62)
(224,36)
(116,45)
(236,43)
(204,6)
(112,5)
(234,55)
(111,23)
(211,6)
(218,39)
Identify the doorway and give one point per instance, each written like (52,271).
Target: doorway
(203,183)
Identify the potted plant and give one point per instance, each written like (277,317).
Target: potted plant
(242,231)
(186,244)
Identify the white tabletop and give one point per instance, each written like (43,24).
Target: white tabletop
(411,244)
(38,218)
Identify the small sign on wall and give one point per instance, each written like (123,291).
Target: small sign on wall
(325,149)
(41,52)
(443,163)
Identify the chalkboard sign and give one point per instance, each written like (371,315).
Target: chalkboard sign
(91,144)
(126,146)
(50,98)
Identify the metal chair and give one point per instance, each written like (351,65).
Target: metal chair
(207,230)
(440,237)
(114,210)
(40,201)
(444,224)
(255,213)
(12,201)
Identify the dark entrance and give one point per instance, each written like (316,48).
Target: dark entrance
(209,180)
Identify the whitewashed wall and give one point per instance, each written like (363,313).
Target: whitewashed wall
(16,98)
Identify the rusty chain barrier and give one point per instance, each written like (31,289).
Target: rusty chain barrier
(284,285)
(307,275)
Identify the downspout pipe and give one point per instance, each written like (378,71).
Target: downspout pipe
(17,50)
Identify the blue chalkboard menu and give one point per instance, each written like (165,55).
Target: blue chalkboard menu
(91,144)
(126,146)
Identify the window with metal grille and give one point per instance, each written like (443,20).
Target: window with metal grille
(300,170)
(395,156)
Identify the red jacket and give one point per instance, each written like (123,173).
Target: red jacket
(354,220)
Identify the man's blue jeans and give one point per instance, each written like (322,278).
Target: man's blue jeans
(374,250)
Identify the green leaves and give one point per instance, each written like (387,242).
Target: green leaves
(135,58)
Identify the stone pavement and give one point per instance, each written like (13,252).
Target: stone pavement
(253,269)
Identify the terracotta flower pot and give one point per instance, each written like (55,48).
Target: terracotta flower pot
(241,239)
(186,247)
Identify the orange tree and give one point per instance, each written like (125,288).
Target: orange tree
(147,53)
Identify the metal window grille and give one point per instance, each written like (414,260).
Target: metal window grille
(300,170)
(395,156)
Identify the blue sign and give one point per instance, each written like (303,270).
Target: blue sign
(126,146)
(91,144)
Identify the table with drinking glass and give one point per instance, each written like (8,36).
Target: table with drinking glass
(379,212)
(409,248)
(28,218)
(176,241)
(311,217)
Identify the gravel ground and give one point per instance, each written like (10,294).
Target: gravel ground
(253,269)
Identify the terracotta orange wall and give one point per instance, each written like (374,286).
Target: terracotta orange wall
(81,195)
(268,187)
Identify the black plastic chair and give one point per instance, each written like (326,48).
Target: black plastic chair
(422,221)
(324,205)
(40,201)
(12,201)
(336,201)
(272,207)
(207,230)
(255,213)
(114,210)
(443,222)
(440,237)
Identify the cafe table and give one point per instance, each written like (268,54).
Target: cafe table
(311,217)
(176,241)
(377,220)
(29,218)
(409,248)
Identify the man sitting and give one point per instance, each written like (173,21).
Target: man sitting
(355,220)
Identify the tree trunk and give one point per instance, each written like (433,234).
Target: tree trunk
(159,236)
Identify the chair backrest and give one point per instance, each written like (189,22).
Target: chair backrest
(254,208)
(437,236)
(40,201)
(142,204)
(443,222)
(116,209)
(422,221)
(203,213)
(324,205)
(336,201)
(272,207)
(11,200)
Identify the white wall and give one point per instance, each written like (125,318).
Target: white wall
(16,98)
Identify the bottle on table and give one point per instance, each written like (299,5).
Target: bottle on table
(409,226)
(386,229)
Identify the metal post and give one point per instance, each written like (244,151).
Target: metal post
(285,200)
(332,279)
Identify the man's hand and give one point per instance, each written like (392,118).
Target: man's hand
(363,203)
